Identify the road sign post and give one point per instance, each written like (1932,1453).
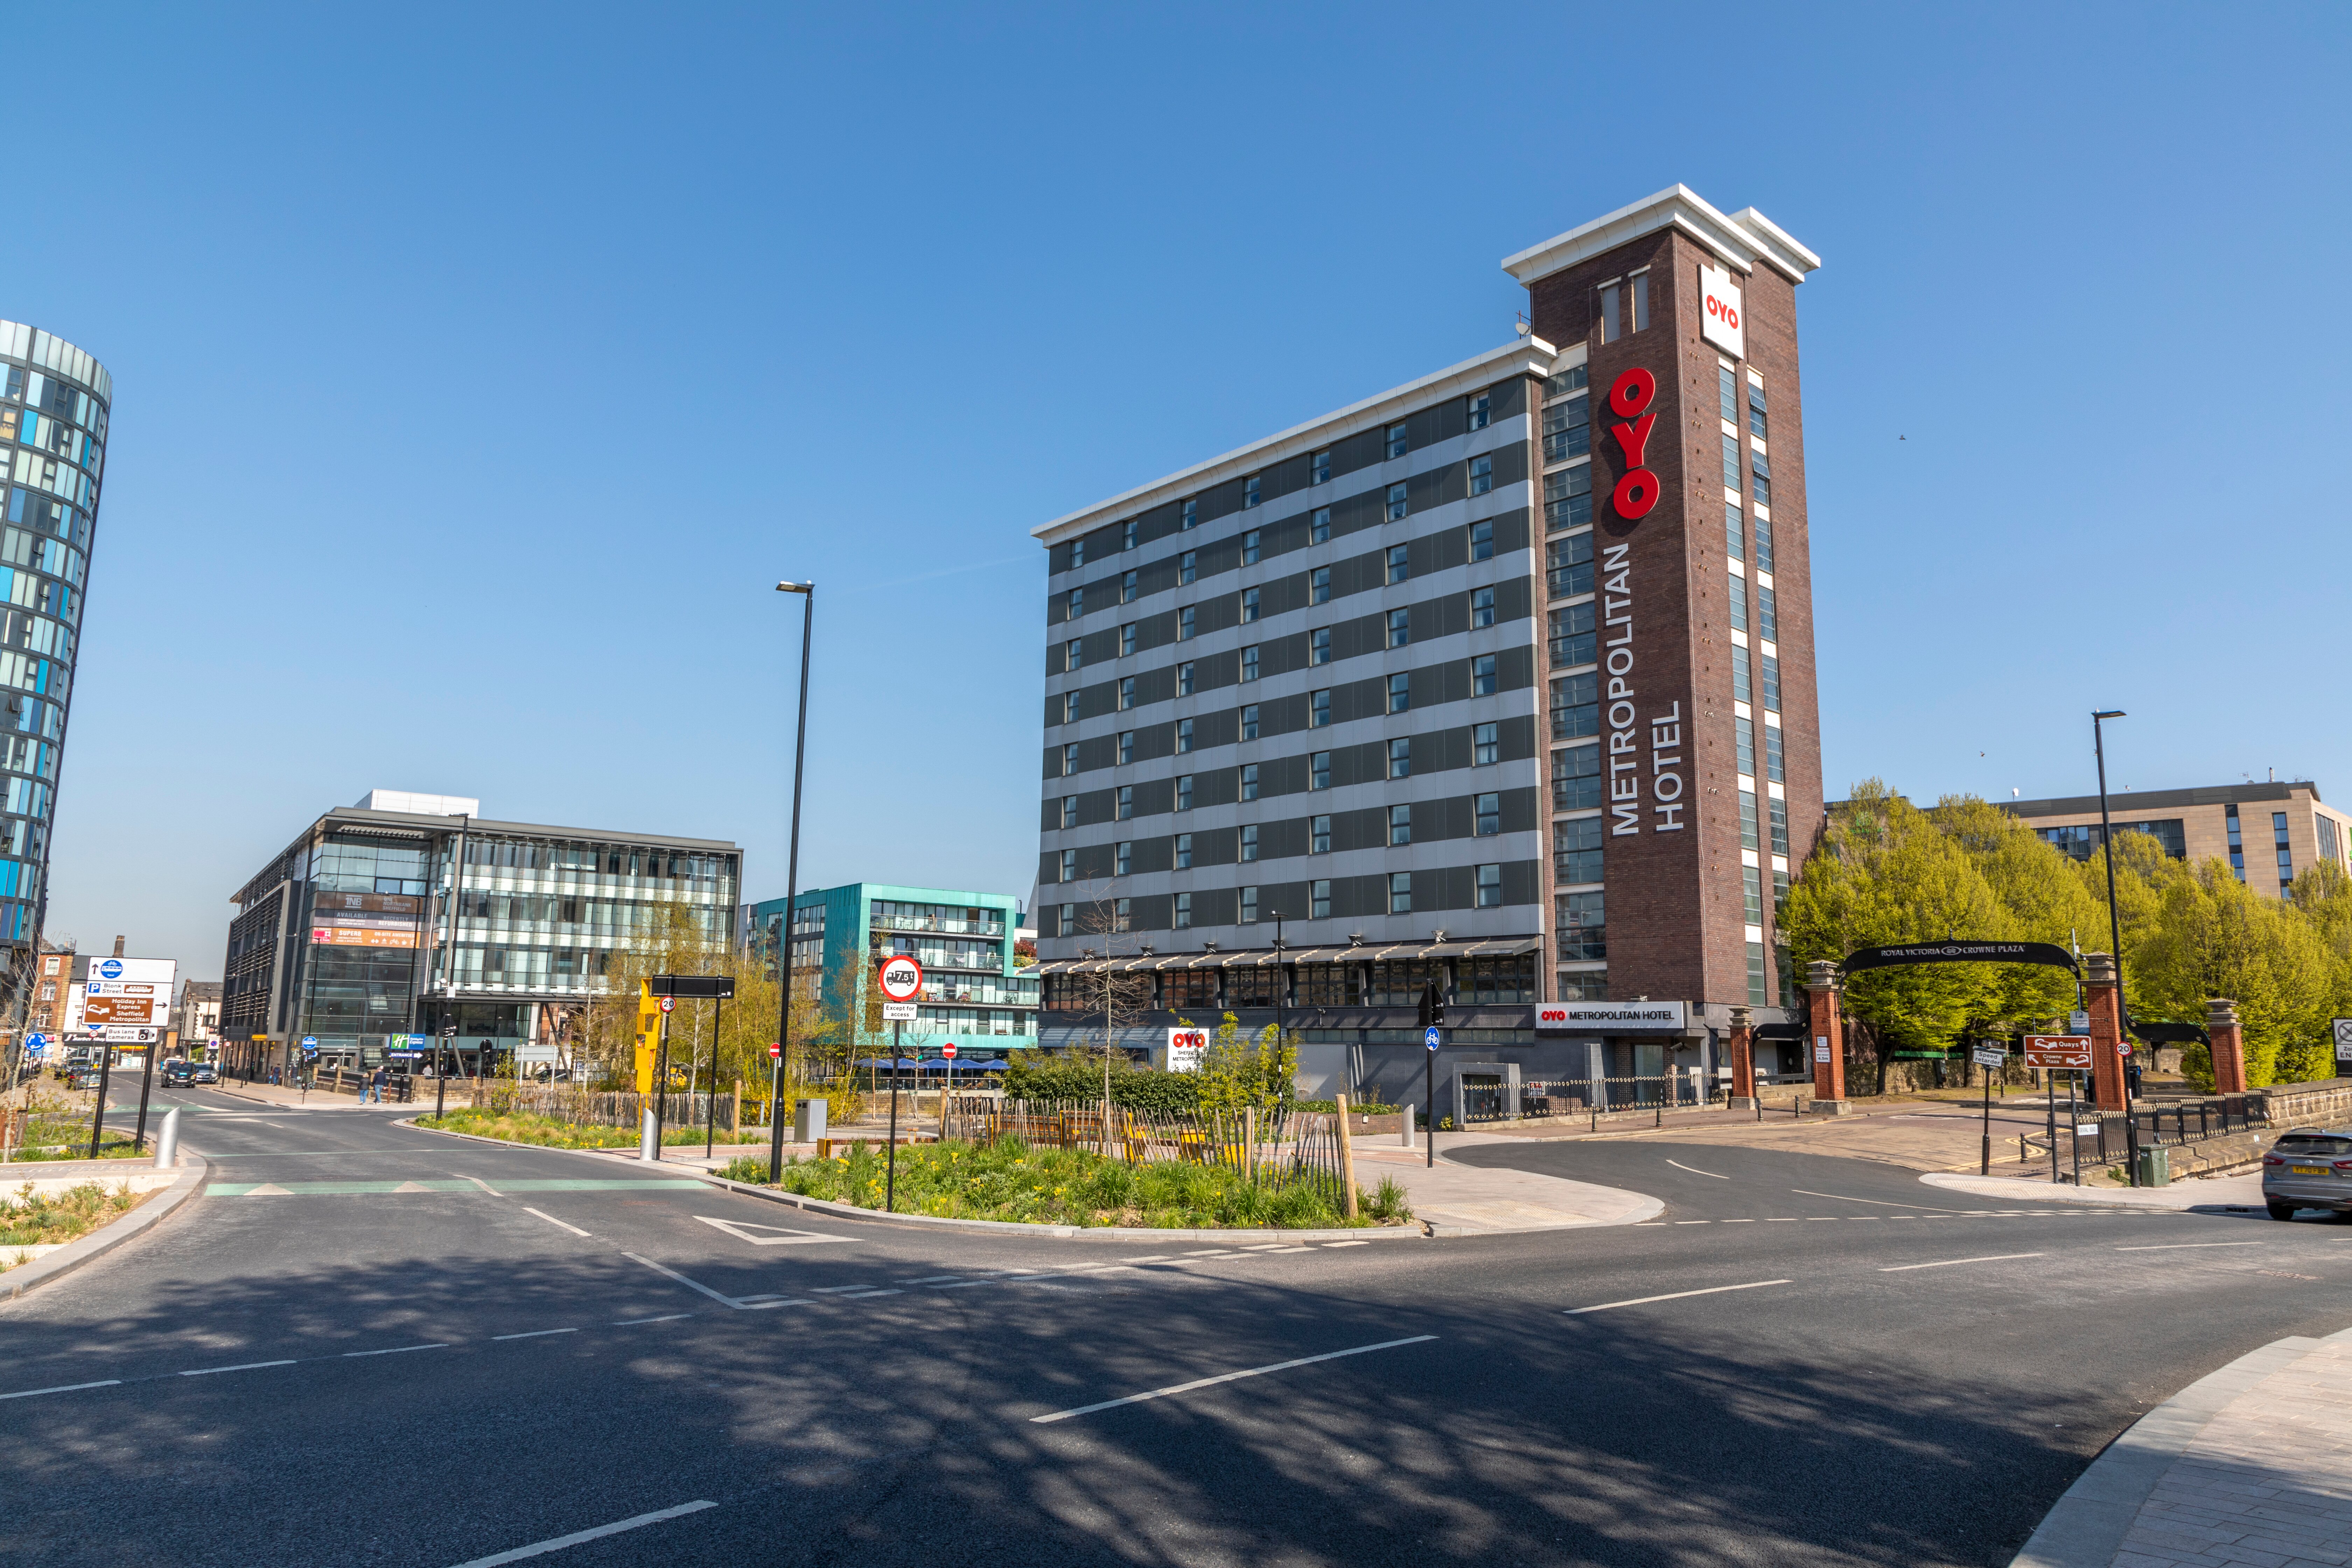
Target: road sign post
(901,980)
(1433,1026)
(1991,1058)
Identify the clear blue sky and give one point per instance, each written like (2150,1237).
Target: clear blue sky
(480,369)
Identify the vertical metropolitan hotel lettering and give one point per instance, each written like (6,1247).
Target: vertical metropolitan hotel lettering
(1630,398)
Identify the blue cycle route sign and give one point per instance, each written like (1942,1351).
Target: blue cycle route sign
(1429,1036)
(110,969)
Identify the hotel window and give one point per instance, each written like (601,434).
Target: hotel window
(1747,820)
(1756,409)
(1398,443)
(1077,605)
(1249,493)
(1069,708)
(1567,496)
(1567,565)
(1400,691)
(2237,848)
(1183,736)
(1482,408)
(1763,543)
(1319,468)
(1249,605)
(1318,770)
(1759,987)
(1568,429)
(1401,757)
(1726,394)
(1751,883)
(1070,759)
(1611,292)
(1127,640)
(1744,744)
(1127,535)
(1184,679)
(1572,636)
(2328,842)
(1318,646)
(1397,506)
(1735,532)
(1490,887)
(1772,757)
(1487,812)
(1771,683)
(1482,675)
(1766,623)
(1732,464)
(1249,721)
(1318,527)
(1126,692)
(1576,849)
(2286,856)
(1576,778)
(1191,515)
(1638,286)
(1249,841)
(1123,857)
(1183,852)
(1482,542)
(1583,927)
(1569,380)
(1577,706)
(1074,655)
(1122,918)
(1318,836)
(1126,802)
(1249,907)
(1183,911)
(1126,587)
(1126,747)
(1485,747)
(1739,603)
(1249,781)
(1780,892)
(1250,546)
(1249,662)
(1183,792)
(1399,562)
(1776,813)
(1482,477)
(1399,826)
(1400,892)
(1760,472)
(1188,566)
(1319,908)
(1069,811)
(1318,586)
(1482,606)
(1077,553)
(1400,627)
(1319,709)
(1069,919)
(1740,688)
(1069,866)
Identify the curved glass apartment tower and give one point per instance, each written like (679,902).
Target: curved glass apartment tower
(54,401)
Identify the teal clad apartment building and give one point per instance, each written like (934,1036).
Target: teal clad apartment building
(974,994)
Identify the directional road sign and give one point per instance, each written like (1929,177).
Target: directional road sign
(1430,1037)
(2065,1053)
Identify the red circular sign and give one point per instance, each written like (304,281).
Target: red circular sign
(667,1003)
(948,1050)
(901,977)
(774,1050)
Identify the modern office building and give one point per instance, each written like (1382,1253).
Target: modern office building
(1501,679)
(197,1017)
(54,402)
(2269,832)
(381,919)
(973,995)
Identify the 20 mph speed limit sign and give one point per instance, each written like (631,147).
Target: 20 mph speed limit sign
(901,980)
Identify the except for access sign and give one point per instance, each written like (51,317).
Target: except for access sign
(898,1012)
(2060,1053)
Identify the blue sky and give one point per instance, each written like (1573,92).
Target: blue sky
(479,369)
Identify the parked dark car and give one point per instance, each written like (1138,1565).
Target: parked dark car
(206,1073)
(83,1077)
(2308,1168)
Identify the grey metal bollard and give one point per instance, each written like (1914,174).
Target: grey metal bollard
(648,1149)
(1404,1133)
(167,1140)
(808,1120)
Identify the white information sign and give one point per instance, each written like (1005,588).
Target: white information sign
(1186,1049)
(898,1012)
(1719,319)
(1990,1055)
(1820,1047)
(2344,1039)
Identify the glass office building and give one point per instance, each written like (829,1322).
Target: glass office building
(383,917)
(54,401)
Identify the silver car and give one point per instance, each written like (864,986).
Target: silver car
(2308,1168)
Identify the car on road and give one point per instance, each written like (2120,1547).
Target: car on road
(204,1072)
(179,1072)
(82,1077)
(2308,1168)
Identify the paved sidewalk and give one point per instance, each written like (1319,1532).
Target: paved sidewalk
(1468,1200)
(2251,1465)
(2204,1193)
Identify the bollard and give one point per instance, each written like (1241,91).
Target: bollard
(1404,1133)
(649,1140)
(167,1140)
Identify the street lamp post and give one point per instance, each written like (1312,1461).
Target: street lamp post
(2115,930)
(792,890)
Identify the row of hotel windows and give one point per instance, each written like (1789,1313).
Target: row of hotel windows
(1484,680)
(1486,881)
(1486,818)
(1392,983)
(1397,567)
(2278,843)
(1397,442)
(1486,750)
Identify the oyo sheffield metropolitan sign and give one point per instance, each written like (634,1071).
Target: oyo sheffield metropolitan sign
(1630,397)
(1611,1017)
(1718,322)
(1186,1048)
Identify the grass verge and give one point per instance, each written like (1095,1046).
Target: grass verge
(1012,1180)
(42,1219)
(522,1127)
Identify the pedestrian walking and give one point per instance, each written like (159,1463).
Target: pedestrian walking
(375,1087)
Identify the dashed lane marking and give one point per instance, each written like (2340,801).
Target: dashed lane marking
(1174,1388)
(1670,1296)
(552,1220)
(1678,1166)
(1951,1262)
(534,1335)
(577,1537)
(241,1366)
(2184,1246)
(61,1388)
(397,1350)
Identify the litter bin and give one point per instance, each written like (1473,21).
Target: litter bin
(2154,1165)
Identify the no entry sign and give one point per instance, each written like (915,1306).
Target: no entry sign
(901,978)
(774,1050)
(2061,1053)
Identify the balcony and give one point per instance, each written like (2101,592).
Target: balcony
(956,926)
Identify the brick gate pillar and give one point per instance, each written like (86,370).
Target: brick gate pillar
(1828,1044)
(2229,1045)
(2103,1000)
(1741,1043)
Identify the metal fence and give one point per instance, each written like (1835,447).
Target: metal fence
(1277,1148)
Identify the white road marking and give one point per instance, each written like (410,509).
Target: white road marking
(241,1366)
(1777,1219)
(552,1220)
(1727,1222)
(932,1279)
(2182,1246)
(1694,1222)
(1347,1244)
(1212,1252)
(835,1289)
(1948,1262)
(534,1335)
(633,1323)
(1882,1202)
(398,1349)
(673,1274)
(479,1183)
(869,1295)
(578,1536)
(60,1388)
(1672,1296)
(740,1229)
(1167,1256)
(1224,1377)
(1678,1166)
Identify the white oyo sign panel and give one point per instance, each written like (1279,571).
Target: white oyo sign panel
(1609,1018)
(1186,1048)
(1719,318)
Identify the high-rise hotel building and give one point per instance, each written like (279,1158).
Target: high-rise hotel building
(1502,679)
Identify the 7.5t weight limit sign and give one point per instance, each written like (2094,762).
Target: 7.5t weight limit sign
(901,980)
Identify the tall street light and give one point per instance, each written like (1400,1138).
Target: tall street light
(807,591)
(2115,916)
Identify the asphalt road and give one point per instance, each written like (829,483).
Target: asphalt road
(526,1345)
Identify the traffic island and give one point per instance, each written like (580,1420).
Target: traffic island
(152,1194)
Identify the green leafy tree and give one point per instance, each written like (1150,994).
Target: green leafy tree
(1240,1070)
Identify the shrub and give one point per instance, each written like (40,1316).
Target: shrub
(1073,1077)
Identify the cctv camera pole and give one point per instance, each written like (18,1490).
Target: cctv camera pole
(146,1082)
(792,890)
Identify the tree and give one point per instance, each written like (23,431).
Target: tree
(1118,995)
(1241,1072)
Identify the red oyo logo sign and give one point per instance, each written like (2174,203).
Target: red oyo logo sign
(1723,310)
(1630,397)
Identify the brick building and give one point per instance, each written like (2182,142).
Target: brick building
(1502,679)
(2269,832)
